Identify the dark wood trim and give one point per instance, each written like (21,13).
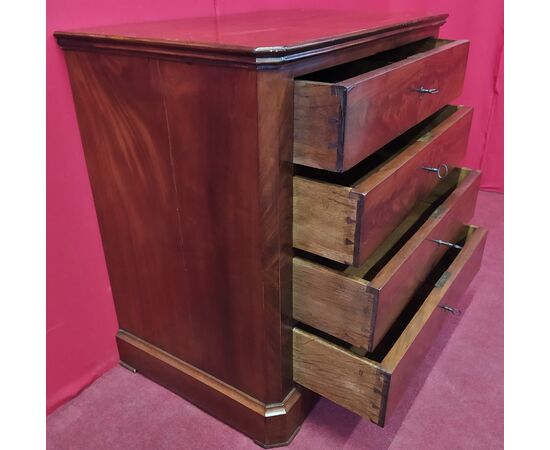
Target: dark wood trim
(272,55)
(271,424)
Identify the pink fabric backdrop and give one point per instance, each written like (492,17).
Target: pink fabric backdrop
(81,322)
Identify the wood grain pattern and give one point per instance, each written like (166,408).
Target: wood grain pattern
(371,388)
(359,305)
(377,103)
(353,382)
(324,219)
(333,302)
(312,106)
(224,217)
(346,217)
(171,208)
(123,129)
(387,198)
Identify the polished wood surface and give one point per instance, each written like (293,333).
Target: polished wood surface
(372,385)
(122,123)
(359,305)
(345,113)
(345,217)
(256,37)
(154,269)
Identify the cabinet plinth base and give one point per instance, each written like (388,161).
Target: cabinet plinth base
(269,425)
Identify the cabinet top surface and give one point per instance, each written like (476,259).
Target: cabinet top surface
(267,34)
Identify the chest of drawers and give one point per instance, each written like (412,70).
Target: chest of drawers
(280,203)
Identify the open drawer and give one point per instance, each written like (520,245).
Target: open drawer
(345,217)
(359,305)
(371,385)
(345,113)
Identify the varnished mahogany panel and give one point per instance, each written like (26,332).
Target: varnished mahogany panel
(122,121)
(371,385)
(215,173)
(179,207)
(359,305)
(345,113)
(345,217)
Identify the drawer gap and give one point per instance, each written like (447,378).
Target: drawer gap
(334,265)
(365,168)
(410,225)
(352,69)
(417,299)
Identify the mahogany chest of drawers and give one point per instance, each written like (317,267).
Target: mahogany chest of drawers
(281,204)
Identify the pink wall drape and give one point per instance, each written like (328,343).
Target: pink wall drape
(81,321)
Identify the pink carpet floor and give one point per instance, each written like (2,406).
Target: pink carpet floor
(454,402)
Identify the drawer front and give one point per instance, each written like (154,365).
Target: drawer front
(392,287)
(372,385)
(359,305)
(347,223)
(390,194)
(337,124)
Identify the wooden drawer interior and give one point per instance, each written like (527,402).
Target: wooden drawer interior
(370,384)
(360,67)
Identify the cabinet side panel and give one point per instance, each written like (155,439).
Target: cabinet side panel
(213,119)
(123,129)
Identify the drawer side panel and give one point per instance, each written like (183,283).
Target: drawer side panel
(324,220)
(329,301)
(349,380)
(318,124)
